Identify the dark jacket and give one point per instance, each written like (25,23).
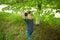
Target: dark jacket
(30,25)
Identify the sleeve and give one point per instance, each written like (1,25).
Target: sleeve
(26,20)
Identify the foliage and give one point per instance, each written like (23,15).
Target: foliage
(51,4)
(12,26)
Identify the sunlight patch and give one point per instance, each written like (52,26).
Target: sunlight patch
(2,6)
(57,15)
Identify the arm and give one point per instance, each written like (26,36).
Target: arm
(23,16)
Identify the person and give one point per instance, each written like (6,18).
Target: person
(27,17)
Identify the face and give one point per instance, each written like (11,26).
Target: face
(29,16)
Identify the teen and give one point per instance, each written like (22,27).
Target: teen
(27,17)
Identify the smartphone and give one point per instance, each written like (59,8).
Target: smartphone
(26,14)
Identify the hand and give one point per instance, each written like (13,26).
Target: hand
(22,15)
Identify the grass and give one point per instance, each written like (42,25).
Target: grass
(12,27)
